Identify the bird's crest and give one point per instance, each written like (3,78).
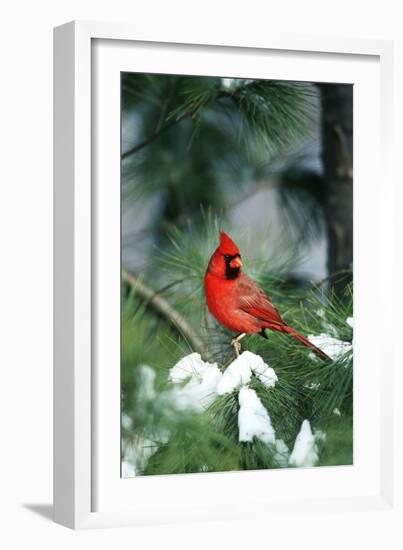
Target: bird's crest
(227,245)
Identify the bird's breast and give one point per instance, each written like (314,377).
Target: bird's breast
(223,302)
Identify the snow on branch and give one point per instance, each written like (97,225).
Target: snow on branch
(305,452)
(333,347)
(197,384)
(239,373)
(202,379)
(253,418)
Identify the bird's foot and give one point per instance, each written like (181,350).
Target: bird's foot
(236,342)
(237,346)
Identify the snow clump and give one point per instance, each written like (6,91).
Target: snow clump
(305,453)
(201,387)
(239,373)
(253,418)
(333,347)
(198,383)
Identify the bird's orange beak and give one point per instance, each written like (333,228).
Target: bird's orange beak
(236,263)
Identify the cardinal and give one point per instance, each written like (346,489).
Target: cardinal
(238,302)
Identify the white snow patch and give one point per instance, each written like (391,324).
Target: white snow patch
(198,394)
(204,381)
(137,452)
(239,373)
(305,451)
(147,382)
(333,347)
(312,385)
(232,83)
(254,421)
(228,83)
(319,436)
(126,421)
(265,373)
(282,453)
(128,469)
(188,367)
(136,455)
(350,322)
(336,411)
(253,418)
(321,313)
(201,388)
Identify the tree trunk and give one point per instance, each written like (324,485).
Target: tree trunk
(337,156)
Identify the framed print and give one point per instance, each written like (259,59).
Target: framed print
(220,235)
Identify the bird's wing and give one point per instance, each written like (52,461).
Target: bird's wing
(253,300)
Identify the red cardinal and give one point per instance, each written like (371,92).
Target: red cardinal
(239,303)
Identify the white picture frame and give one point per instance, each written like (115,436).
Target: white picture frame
(85,495)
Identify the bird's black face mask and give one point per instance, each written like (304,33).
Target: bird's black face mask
(231,272)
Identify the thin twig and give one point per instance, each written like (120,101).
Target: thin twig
(170,285)
(162,306)
(162,129)
(154,136)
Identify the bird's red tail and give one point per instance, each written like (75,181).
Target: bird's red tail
(295,334)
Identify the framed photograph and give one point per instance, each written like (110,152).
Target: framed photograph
(222,229)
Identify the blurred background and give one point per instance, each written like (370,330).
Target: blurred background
(273,158)
(270,162)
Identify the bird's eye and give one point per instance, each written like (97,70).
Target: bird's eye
(227,256)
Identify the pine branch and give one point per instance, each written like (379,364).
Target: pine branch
(266,107)
(163,307)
